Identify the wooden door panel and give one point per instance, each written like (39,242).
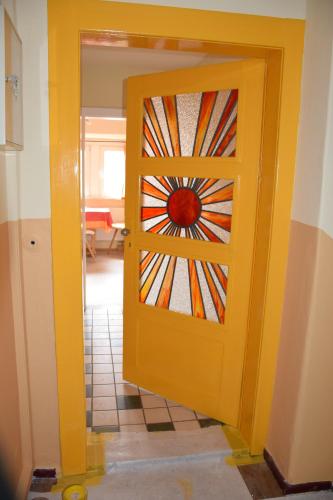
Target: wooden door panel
(193,164)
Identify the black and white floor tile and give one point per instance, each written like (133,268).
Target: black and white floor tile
(113,404)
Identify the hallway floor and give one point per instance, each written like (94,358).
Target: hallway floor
(187,461)
(112,403)
(205,478)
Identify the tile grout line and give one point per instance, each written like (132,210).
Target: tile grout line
(92,370)
(109,339)
(113,374)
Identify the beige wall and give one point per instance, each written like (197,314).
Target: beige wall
(10,429)
(301,417)
(29,419)
(15,423)
(312,454)
(38,306)
(301,432)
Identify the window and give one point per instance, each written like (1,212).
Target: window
(114,174)
(105,170)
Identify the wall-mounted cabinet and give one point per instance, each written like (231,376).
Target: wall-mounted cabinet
(11,126)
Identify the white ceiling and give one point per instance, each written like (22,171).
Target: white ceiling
(144,60)
(279,8)
(105,70)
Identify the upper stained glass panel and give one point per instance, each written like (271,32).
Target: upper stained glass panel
(197,124)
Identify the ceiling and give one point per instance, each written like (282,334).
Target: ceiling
(105,70)
(143,60)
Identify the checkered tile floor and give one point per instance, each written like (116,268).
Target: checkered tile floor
(113,404)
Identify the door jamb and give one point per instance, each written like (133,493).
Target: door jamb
(280,43)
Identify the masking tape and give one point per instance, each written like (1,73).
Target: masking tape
(249,460)
(240,449)
(95,464)
(75,492)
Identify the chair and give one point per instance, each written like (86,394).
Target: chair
(117,226)
(91,242)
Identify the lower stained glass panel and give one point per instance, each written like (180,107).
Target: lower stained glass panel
(192,287)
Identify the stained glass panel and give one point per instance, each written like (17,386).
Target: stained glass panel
(192,287)
(197,124)
(187,207)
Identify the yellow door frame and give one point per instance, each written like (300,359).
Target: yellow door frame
(280,43)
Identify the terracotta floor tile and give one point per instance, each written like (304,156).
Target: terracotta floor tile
(133,428)
(102,358)
(103,368)
(117,350)
(179,413)
(156,415)
(101,342)
(189,425)
(126,390)
(104,390)
(172,403)
(131,417)
(152,401)
(103,378)
(117,358)
(101,350)
(118,377)
(105,417)
(104,403)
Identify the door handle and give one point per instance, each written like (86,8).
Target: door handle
(125,231)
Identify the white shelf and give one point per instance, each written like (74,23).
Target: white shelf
(11,126)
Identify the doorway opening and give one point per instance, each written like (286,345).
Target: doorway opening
(113,404)
(279,45)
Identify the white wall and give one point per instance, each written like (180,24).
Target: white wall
(9,202)
(10,6)
(277,8)
(34,159)
(33,181)
(8,160)
(313,192)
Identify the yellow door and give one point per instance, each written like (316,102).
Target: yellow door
(193,163)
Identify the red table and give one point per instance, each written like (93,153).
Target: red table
(99,218)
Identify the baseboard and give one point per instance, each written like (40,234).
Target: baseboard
(43,480)
(288,488)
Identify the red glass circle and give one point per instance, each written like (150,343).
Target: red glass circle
(184,207)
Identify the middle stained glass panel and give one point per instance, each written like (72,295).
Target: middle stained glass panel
(187,207)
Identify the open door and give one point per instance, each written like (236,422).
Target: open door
(192,174)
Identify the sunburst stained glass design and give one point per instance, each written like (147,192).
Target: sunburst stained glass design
(188,207)
(193,287)
(197,124)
